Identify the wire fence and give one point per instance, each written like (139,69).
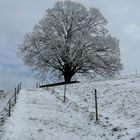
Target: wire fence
(6,111)
(44,84)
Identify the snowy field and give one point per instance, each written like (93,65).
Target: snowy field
(41,114)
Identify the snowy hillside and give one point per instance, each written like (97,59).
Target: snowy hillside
(42,115)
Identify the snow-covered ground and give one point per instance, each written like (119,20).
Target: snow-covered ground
(41,114)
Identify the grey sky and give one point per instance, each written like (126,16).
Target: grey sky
(19,16)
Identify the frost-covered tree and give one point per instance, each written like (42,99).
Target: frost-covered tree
(71,40)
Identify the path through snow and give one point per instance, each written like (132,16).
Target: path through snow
(39,115)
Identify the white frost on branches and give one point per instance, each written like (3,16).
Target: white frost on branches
(72,40)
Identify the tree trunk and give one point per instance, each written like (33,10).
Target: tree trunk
(67,78)
(68,73)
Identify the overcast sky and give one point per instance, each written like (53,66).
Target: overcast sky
(18,17)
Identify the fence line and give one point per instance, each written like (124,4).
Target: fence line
(6,112)
(40,85)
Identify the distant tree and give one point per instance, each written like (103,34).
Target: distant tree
(69,41)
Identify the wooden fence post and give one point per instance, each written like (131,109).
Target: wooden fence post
(96,105)
(15,95)
(20,85)
(65,88)
(53,89)
(36,85)
(9,111)
(18,89)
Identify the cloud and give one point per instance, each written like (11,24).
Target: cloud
(22,15)
(133,30)
(9,80)
(70,0)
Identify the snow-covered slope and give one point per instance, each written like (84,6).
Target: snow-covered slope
(42,115)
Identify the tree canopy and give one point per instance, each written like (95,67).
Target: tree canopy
(71,40)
